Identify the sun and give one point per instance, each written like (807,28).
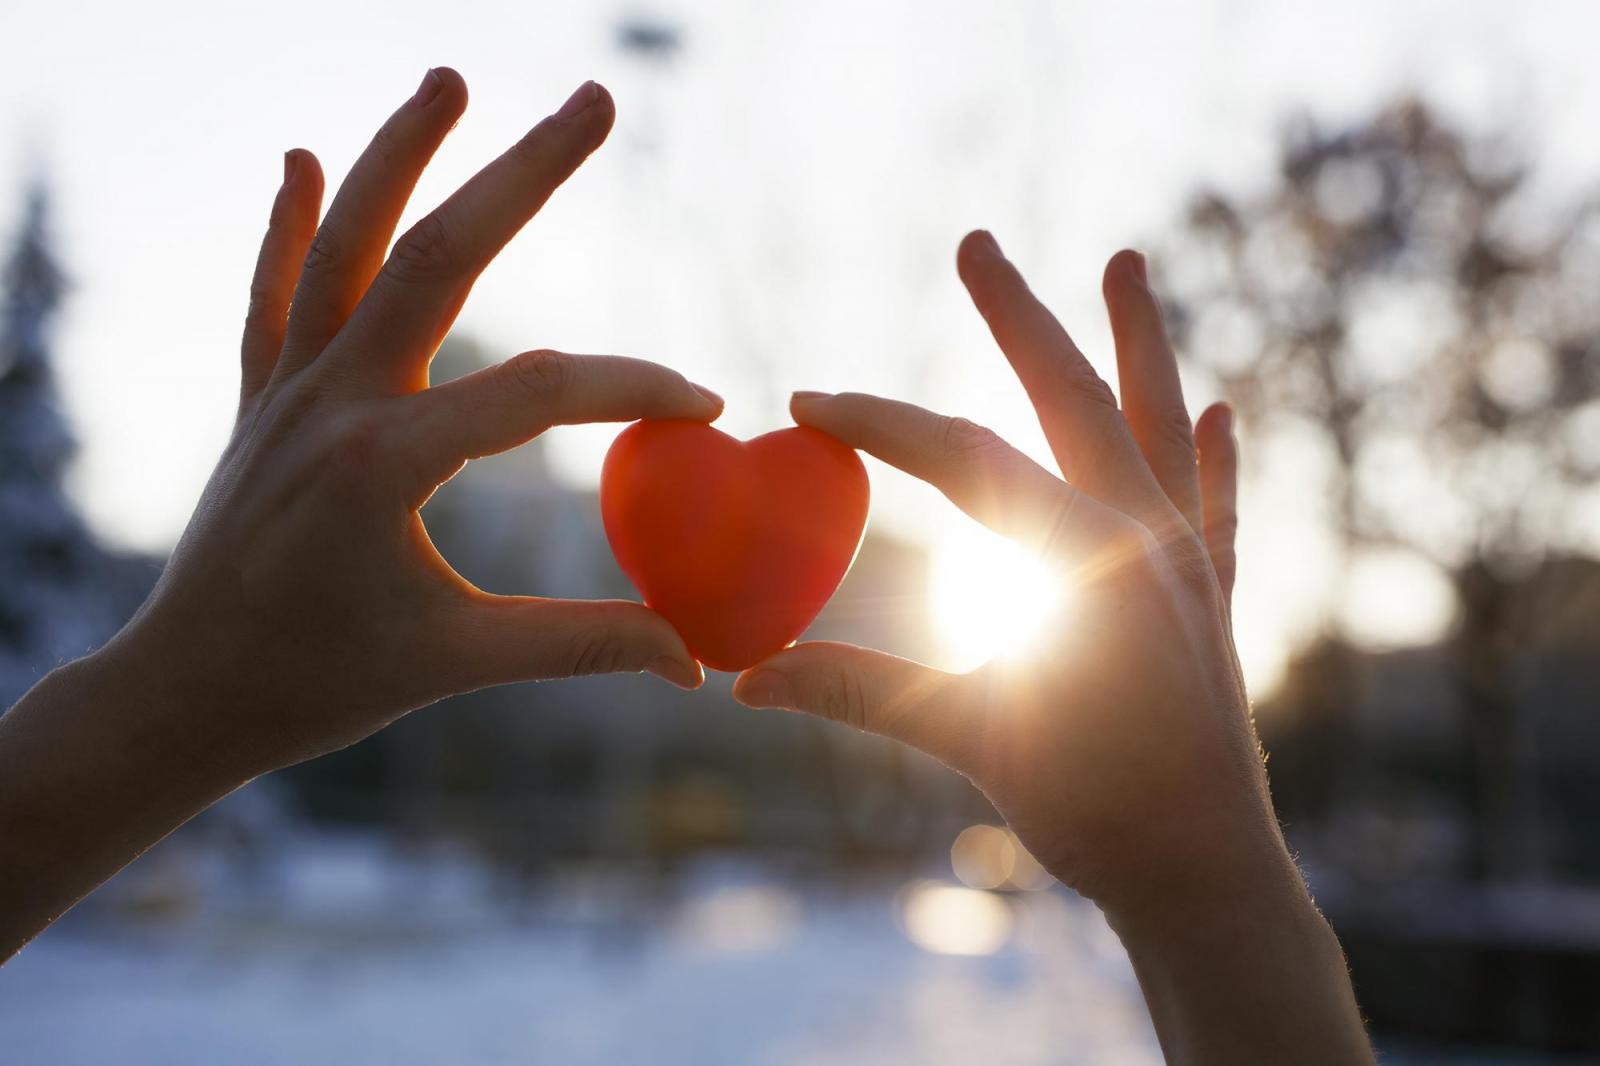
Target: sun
(990,596)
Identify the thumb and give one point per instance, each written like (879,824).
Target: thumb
(525,638)
(868,690)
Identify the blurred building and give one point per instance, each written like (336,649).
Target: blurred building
(1372,773)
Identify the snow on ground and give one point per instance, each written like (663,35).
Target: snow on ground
(341,950)
(736,970)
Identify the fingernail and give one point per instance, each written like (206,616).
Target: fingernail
(707,393)
(680,673)
(291,160)
(763,688)
(806,394)
(1139,269)
(582,97)
(1226,415)
(987,238)
(431,84)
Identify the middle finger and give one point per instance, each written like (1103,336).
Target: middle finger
(416,296)
(1079,415)
(350,243)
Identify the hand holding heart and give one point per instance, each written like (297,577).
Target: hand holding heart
(1123,752)
(309,603)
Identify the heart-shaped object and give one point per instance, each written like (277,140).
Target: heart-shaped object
(737,543)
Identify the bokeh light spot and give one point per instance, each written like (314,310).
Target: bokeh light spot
(951,920)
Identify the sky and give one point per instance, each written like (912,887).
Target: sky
(778,207)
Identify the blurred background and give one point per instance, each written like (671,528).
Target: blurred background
(1376,229)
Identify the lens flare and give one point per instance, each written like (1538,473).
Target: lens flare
(950,920)
(990,856)
(990,597)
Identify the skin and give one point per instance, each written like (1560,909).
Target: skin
(1123,753)
(305,608)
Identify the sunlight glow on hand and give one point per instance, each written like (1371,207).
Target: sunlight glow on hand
(990,596)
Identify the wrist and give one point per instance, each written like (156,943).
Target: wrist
(103,757)
(1244,865)
(166,713)
(1238,965)
(1202,911)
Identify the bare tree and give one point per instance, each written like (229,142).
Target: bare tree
(1406,295)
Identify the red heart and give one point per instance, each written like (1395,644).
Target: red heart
(737,543)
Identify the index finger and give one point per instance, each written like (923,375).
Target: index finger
(416,296)
(502,406)
(980,473)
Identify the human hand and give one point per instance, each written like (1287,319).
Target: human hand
(1123,750)
(1122,753)
(305,606)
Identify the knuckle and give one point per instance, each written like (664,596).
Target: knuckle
(1224,557)
(358,449)
(1171,552)
(961,437)
(1173,429)
(1223,527)
(423,253)
(532,148)
(1082,382)
(384,148)
(980,458)
(544,373)
(324,252)
(265,311)
(262,294)
(1193,564)
(600,652)
(292,412)
(842,698)
(1144,549)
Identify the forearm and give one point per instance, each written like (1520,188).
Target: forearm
(103,758)
(1240,967)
